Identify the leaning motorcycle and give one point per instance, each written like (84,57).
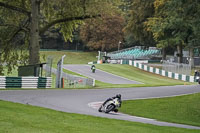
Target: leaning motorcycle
(111,105)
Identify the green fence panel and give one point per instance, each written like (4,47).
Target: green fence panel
(42,82)
(13,82)
(166,74)
(160,71)
(173,75)
(142,67)
(180,76)
(148,68)
(188,78)
(154,70)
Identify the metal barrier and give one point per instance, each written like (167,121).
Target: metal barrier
(25,82)
(161,72)
(73,81)
(49,66)
(177,67)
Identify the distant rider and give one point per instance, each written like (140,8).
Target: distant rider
(196,74)
(93,68)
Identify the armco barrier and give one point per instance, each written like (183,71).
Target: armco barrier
(25,82)
(159,71)
(74,78)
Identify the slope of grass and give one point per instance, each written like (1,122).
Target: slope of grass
(99,84)
(180,109)
(130,72)
(71,57)
(18,118)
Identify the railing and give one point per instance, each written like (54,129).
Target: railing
(158,71)
(177,67)
(73,81)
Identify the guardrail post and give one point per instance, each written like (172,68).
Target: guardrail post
(59,72)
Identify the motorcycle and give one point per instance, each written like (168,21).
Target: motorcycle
(198,79)
(93,70)
(111,105)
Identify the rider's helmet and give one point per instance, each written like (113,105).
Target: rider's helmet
(118,95)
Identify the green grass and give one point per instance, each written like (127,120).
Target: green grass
(147,78)
(71,57)
(180,109)
(18,118)
(99,84)
(73,73)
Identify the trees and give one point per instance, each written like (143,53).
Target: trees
(103,33)
(175,23)
(26,20)
(125,5)
(158,26)
(167,22)
(140,11)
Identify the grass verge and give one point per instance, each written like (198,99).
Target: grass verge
(147,78)
(181,109)
(20,118)
(71,57)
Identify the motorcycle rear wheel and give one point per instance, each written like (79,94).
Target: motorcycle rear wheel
(109,108)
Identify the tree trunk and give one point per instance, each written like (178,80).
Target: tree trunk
(192,57)
(34,37)
(180,53)
(102,47)
(164,54)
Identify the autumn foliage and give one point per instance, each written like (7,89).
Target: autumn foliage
(103,33)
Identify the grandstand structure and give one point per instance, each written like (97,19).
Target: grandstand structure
(134,53)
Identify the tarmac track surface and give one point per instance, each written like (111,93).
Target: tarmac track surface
(99,75)
(88,101)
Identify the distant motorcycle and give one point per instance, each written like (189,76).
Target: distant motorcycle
(111,105)
(198,79)
(93,68)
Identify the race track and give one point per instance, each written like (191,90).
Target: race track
(87,101)
(99,75)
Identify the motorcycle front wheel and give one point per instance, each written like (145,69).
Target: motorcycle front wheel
(100,109)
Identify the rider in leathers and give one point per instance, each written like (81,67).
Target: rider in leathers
(117,96)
